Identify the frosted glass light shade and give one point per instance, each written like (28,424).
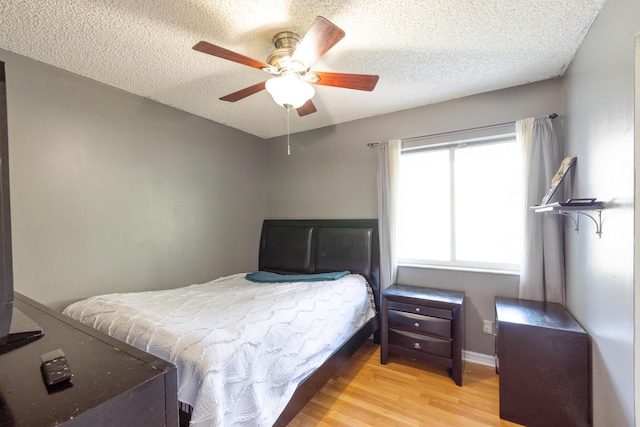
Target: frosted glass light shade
(289,91)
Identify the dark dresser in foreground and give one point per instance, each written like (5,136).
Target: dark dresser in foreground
(114,384)
(544,364)
(423,323)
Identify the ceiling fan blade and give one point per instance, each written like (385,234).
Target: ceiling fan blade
(349,81)
(307,108)
(243,93)
(220,52)
(321,37)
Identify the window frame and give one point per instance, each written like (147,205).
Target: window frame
(503,133)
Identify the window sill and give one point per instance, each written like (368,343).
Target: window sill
(464,269)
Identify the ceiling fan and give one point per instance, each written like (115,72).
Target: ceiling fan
(289,65)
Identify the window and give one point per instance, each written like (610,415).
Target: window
(460,204)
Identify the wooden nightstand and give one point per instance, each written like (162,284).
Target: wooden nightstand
(544,366)
(423,323)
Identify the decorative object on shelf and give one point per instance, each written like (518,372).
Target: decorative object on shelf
(572,208)
(564,168)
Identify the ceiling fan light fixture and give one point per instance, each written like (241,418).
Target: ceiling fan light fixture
(290,66)
(289,91)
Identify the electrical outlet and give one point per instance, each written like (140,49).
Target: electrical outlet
(487,327)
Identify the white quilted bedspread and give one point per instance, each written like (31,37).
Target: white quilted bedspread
(241,348)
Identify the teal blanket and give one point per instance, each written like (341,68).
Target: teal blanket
(268,277)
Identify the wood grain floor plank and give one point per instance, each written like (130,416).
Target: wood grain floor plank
(403,393)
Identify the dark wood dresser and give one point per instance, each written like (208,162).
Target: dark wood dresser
(114,384)
(423,323)
(544,364)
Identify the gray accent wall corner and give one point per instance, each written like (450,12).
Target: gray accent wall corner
(112,192)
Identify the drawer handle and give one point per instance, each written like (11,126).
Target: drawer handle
(418,309)
(417,325)
(416,345)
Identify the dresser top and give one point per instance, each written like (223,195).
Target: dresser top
(103,367)
(423,293)
(535,313)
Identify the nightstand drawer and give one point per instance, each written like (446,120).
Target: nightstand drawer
(421,343)
(420,324)
(419,309)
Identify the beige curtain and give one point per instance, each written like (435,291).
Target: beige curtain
(542,270)
(388,174)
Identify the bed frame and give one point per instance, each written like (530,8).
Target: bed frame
(320,246)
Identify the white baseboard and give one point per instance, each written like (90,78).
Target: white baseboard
(479,358)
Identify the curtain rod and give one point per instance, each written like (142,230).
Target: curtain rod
(415,138)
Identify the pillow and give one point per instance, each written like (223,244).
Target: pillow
(269,277)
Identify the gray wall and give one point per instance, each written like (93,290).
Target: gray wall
(331,173)
(599,129)
(636,221)
(112,192)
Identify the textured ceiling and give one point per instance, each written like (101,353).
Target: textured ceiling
(425,51)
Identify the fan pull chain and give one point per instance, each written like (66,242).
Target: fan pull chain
(288,145)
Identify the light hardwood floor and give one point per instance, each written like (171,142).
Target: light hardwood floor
(403,393)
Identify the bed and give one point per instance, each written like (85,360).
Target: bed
(258,369)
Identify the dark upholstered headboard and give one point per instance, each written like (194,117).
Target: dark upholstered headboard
(319,246)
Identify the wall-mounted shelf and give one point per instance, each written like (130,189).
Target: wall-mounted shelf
(592,211)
